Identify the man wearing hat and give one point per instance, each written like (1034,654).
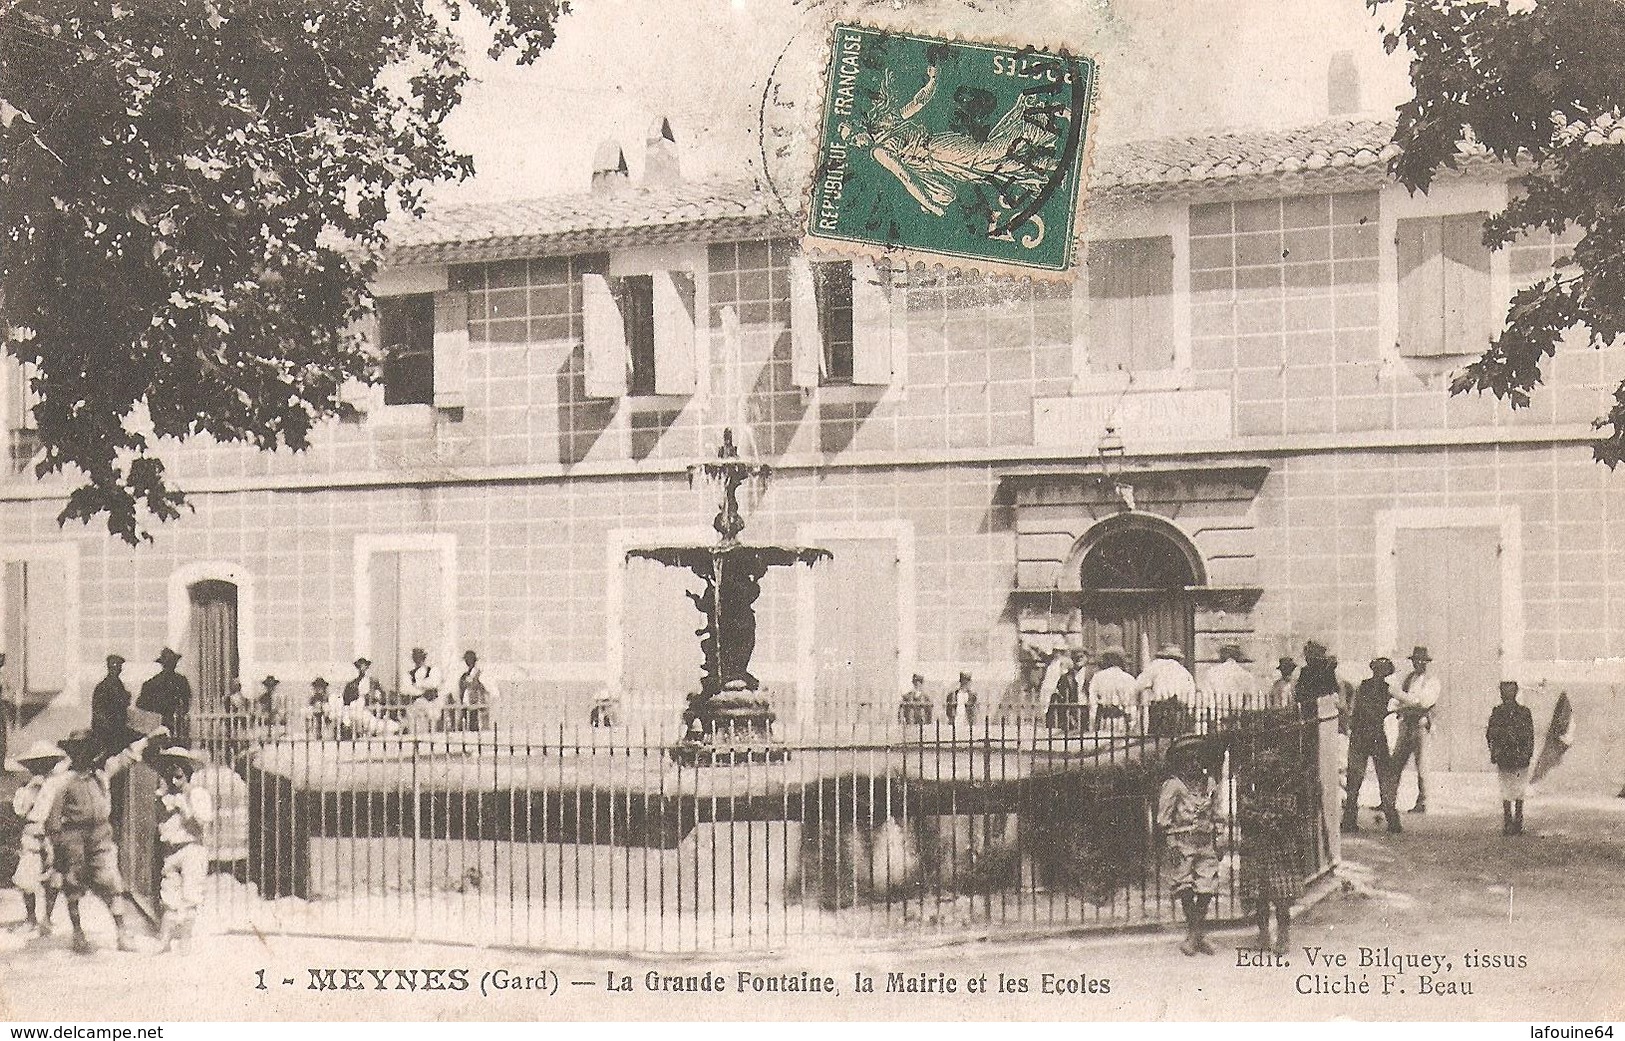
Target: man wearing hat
(1169,689)
(1113,693)
(75,811)
(318,709)
(186,810)
(168,694)
(110,704)
(915,709)
(961,693)
(35,877)
(1368,742)
(1415,699)
(1229,685)
(1281,691)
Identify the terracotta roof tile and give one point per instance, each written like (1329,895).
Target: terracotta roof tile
(1342,148)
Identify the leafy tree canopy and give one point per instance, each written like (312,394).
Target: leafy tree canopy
(1543,85)
(189,191)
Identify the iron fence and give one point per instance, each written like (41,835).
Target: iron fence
(607,838)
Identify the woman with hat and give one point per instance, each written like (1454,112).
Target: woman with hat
(35,877)
(1188,815)
(185,811)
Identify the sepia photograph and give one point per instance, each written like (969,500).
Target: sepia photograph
(812,510)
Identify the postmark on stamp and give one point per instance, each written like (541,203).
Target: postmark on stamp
(936,149)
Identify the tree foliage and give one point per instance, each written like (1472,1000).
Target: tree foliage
(189,192)
(1541,85)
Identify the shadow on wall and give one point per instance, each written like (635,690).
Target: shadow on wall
(785,406)
(838,423)
(582,420)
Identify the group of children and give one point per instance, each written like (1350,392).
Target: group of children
(67,844)
(1191,819)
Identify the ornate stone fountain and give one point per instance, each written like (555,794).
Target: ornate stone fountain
(730,718)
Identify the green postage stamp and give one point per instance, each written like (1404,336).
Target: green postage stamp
(951,149)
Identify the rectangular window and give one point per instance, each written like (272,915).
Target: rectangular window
(834,289)
(36,602)
(637,293)
(638,334)
(19,402)
(1444,285)
(1131,327)
(406,330)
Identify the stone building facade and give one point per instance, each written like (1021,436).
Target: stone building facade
(1235,425)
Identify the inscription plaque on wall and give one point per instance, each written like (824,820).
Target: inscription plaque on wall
(1146,418)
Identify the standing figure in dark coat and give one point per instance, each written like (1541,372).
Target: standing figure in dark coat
(1511,737)
(1368,742)
(110,706)
(169,694)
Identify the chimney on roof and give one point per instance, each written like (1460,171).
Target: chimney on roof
(660,164)
(1342,85)
(608,168)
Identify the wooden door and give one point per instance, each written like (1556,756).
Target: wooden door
(856,639)
(210,659)
(661,660)
(1447,587)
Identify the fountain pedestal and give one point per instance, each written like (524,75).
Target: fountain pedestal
(733,726)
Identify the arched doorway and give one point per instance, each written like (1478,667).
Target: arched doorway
(1137,575)
(211,656)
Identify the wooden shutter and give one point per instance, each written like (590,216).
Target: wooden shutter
(45,607)
(16,628)
(18,400)
(676,370)
(1465,284)
(604,338)
(384,581)
(1419,247)
(1130,305)
(450,350)
(806,333)
(355,393)
(421,613)
(873,328)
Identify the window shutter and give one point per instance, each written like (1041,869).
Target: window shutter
(676,371)
(355,393)
(604,339)
(873,327)
(384,581)
(1465,284)
(46,604)
(1151,330)
(16,629)
(450,350)
(806,335)
(1418,246)
(1111,320)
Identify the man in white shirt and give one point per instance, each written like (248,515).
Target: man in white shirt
(1228,684)
(1170,691)
(423,687)
(1415,698)
(1113,693)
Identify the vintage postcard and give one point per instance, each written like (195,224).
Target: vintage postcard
(923,511)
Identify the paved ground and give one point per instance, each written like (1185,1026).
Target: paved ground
(1450,887)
